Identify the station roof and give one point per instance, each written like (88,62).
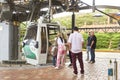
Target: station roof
(23,10)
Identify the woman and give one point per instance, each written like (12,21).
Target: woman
(61,51)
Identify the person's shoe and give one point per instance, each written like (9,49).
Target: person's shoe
(92,62)
(56,68)
(53,66)
(87,59)
(74,74)
(82,72)
(69,65)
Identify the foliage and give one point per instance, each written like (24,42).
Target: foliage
(82,19)
(115,40)
(105,40)
(66,21)
(22,30)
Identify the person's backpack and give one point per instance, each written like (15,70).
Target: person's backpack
(54,51)
(56,44)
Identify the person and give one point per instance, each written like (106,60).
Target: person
(53,51)
(70,57)
(76,42)
(61,51)
(54,54)
(88,46)
(93,42)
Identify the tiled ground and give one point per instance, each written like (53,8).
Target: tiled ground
(97,71)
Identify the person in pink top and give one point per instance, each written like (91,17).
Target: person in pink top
(61,51)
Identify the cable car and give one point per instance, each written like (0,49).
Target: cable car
(36,42)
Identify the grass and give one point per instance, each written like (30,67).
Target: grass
(105,50)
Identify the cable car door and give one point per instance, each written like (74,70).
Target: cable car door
(42,38)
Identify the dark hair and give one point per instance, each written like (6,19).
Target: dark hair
(75,28)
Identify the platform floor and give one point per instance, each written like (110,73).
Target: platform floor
(96,71)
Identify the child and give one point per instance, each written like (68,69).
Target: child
(54,54)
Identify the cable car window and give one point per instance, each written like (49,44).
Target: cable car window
(31,32)
(52,33)
(43,40)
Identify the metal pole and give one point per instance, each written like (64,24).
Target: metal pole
(50,10)
(19,52)
(73,21)
(115,70)
(72,2)
(93,7)
(33,10)
(110,71)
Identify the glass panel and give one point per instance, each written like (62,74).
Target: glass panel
(43,40)
(52,33)
(31,32)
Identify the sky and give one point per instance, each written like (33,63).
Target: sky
(103,2)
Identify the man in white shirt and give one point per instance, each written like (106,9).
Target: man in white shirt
(76,42)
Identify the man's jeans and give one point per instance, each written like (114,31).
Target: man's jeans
(88,51)
(92,51)
(54,60)
(80,59)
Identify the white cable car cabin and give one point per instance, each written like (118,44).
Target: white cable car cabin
(36,42)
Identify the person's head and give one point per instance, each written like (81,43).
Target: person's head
(68,34)
(59,34)
(92,33)
(75,28)
(89,33)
